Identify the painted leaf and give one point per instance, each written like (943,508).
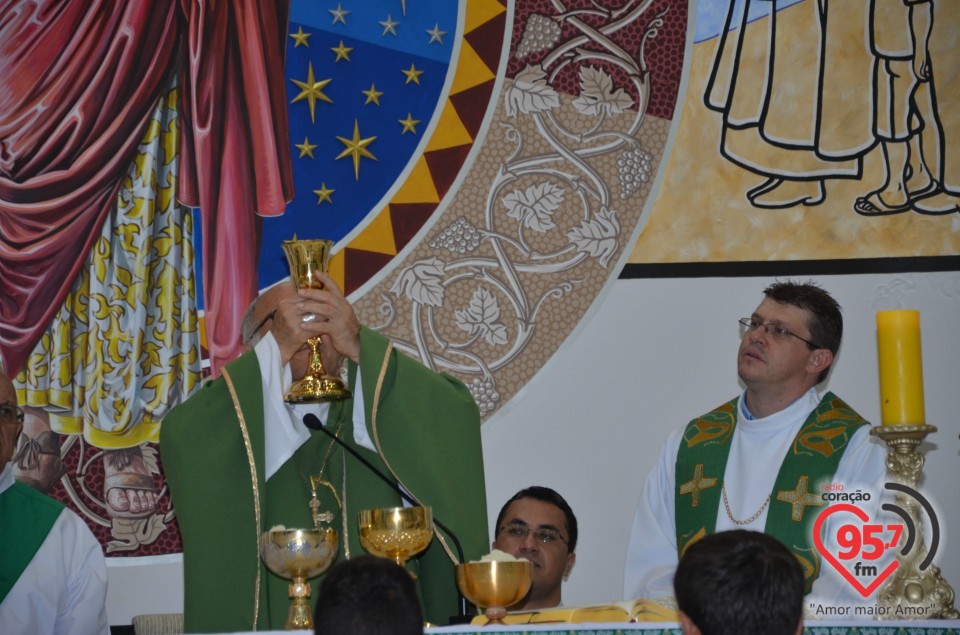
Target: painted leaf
(599,237)
(530,93)
(481,316)
(421,282)
(150,459)
(535,206)
(597,95)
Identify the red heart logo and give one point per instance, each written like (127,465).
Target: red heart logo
(862,515)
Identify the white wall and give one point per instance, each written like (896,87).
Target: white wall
(655,354)
(137,586)
(660,352)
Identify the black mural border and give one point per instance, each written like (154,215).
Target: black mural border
(784,268)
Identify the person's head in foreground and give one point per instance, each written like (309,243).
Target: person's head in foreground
(367,595)
(538,524)
(739,583)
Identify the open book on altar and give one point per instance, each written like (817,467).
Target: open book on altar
(641,610)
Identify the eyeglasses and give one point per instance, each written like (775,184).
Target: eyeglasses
(10,414)
(778,331)
(544,534)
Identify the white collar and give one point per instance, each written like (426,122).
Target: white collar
(798,410)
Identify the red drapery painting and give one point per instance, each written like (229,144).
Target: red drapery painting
(79,80)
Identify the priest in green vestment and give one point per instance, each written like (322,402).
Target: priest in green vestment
(239,460)
(53,576)
(762,460)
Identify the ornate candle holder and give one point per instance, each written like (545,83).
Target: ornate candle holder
(911,591)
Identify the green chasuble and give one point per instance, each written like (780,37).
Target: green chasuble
(427,429)
(26,517)
(795,500)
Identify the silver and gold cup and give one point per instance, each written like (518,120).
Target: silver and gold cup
(299,554)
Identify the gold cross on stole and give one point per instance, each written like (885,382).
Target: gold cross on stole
(799,499)
(696,484)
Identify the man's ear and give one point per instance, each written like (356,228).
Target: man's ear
(571,559)
(820,359)
(688,627)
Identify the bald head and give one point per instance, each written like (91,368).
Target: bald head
(256,321)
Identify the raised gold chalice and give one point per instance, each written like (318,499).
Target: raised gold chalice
(398,533)
(307,258)
(298,554)
(494,585)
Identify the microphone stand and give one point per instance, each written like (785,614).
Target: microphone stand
(313,422)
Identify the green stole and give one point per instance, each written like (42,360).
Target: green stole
(339,471)
(33,515)
(812,461)
(226,534)
(214,466)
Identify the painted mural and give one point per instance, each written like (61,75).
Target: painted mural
(823,130)
(483,166)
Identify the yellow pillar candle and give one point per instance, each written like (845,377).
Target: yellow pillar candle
(901,367)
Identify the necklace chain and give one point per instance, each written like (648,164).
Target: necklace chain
(726,504)
(318,479)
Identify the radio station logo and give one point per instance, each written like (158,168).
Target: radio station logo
(862,550)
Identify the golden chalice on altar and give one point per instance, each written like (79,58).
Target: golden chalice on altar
(307,258)
(298,554)
(494,585)
(398,533)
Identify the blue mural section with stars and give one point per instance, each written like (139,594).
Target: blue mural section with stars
(364,79)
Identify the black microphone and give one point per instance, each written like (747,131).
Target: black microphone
(313,422)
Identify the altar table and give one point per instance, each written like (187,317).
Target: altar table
(825,627)
(926,627)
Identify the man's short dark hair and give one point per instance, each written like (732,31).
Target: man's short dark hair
(826,325)
(740,583)
(367,595)
(546,495)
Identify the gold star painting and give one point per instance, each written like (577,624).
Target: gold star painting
(311,90)
(356,148)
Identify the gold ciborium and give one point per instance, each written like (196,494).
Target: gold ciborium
(398,533)
(494,585)
(298,554)
(307,258)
